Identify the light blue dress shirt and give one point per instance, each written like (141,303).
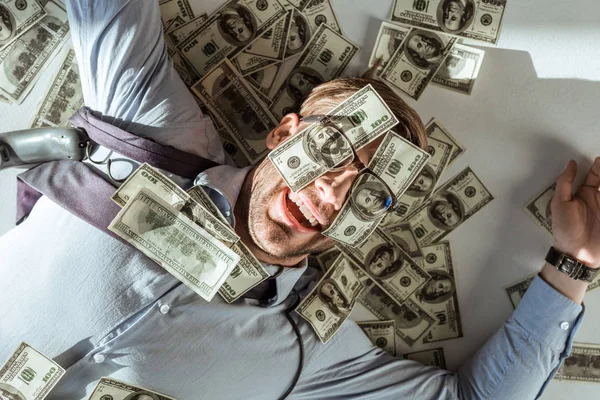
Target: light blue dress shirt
(101,308)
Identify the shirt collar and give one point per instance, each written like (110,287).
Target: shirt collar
(224,184)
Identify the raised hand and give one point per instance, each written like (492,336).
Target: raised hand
(576,217)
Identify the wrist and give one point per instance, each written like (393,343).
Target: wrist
(579,254)
(568,287)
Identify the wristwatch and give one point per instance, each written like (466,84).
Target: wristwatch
(572,267)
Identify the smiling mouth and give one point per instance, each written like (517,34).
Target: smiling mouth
(300,212)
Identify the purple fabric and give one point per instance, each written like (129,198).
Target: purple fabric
(77,188)
(137,148)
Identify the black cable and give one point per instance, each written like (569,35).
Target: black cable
(301,343)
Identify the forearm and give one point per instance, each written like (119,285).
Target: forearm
(568,287)
(519,360)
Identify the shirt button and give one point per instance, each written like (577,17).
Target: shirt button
(99,358)
(564,325)
(164,309)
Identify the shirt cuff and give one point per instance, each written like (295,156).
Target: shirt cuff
(548,316)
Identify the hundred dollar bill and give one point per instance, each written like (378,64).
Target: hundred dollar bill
(439,296)
(422,187)
(436,130)
(272,43)
(171,9)
(538,208)
(263,80)
(17,17)
(460,69)
(228,31)
(517,290)
(472,19)
(416,61)
(405,237)
(64,98)
(398,163)
(299,4)
(412,321)
(112,389)
(234,104)
(28,375)
(178,33)
(323,59)
(231,147)
(388,40)
(350,226)
(450,206)
(304,157)
(327,258)
(173,23)
(388,266)
(299,34)
(329,304)
(248,64)
(582,365)
(175,242)
(432,357)
(321,12)
(146,177)
(381,334)
(23,61)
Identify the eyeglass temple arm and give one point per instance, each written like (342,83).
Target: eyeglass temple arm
(38,145)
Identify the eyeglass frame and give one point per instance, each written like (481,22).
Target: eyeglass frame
(327,120)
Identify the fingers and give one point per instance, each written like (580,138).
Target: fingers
(371,73)
(564,184)
(593,177)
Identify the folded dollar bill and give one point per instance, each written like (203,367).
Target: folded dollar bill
(327,258)
(582,365)
(436,130)
(432,357)
(388,40)
(460,69)
(517,290)
(539,210)
(381,333)
(112,389)
(19,16)
(405,237)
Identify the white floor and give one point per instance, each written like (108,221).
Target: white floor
(534,107)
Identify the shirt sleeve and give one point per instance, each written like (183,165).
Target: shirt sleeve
(517,362)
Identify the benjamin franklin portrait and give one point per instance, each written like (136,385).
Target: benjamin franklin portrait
(424,49)
(237,25)
(384,261)
(371,199)
(455,16)
(423,184)
(7,25)
(299,34)
(330,293)
(446,211)
(301,81)
(438,289)
(325,146)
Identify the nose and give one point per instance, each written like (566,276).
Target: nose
(333,187)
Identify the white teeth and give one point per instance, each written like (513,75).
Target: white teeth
(305,211)
(313,221)
(303,208)
(298,202)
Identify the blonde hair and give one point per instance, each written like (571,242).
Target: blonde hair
(328,95)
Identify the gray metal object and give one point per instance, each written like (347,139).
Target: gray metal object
(31,146)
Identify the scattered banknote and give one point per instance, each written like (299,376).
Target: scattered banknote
(324,59)
(175,242)
(539,210)
(228,31)
(28,375)
(381,333)
(299,4)
(263,79)
(423,185)
(178,32)
(460,69)
(299,33)
(471,19)
(24,59)
(64,98)
(416,61)
(112,389)
(5,99)
(412,321)
(247,64)
(327,258)
(517,290)
(405,237)
(249,272)
(388,266)
(304,157)
(436,130)
(17,18)
(329,304)
(272,44)
(184,9)
(432,357)
(388,40)
(439,295)
(319,12)
(237,108)
(582,365)
(173,23)
(450,206)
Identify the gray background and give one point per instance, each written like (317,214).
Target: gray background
(534,107)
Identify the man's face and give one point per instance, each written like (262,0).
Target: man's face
(279,221)
(5,31)
(370,199)
(453,15)
(238,29)
(381,263)
(294,38)
(299,81)
(422,184)
(446,214)
(437,288)
(424,46)
(329,291)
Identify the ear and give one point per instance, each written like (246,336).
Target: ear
(287,128)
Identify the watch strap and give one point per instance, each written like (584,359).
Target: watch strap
(572,267)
